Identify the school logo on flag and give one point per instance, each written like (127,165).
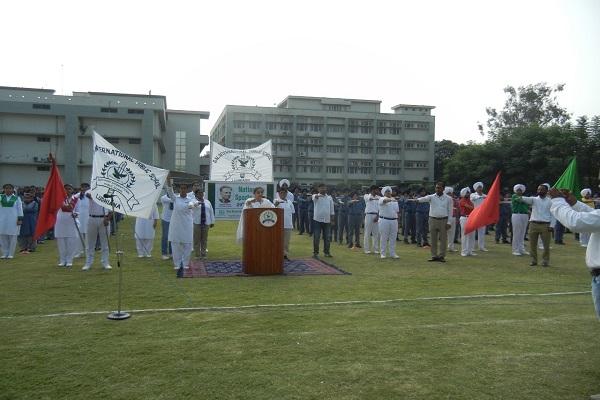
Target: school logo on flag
(248,165)
(122,182)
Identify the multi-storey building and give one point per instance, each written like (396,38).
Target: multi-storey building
(338,141)
(35,122)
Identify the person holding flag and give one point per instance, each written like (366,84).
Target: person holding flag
(519,218)
(467,241)
(52,201)
(488,211)
(477,199)
(11,217)
(66,229)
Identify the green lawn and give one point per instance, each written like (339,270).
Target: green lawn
(519,347)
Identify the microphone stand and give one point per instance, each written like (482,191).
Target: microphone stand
(117,315)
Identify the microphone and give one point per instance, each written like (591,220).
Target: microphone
(108,196)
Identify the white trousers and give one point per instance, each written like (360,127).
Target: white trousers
(68,247)
(96,228)
(181,254)
(371,229)
(584,238)
(467,242)
(144,246)
(451,233)
(519,228)
(8,244)
(388,230)
(481,238)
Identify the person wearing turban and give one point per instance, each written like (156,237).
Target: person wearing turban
(388,223)
(519,220)
(586,198)
(465,205)
(477,199)
(449,190)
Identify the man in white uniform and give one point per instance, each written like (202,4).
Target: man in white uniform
(284,184)
(145,229)
(181,227)
(11,217)
(83,211)
(388,222)
(477,199)
(449,190)
(371,219)
(323,217)
(519,219)
(98,227)
(65,229)
(283,202)
(165,218)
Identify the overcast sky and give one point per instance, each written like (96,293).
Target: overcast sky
(454,55)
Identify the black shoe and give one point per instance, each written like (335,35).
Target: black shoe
(505,242)
(441,259)
(426,244)
(358,246)
(532,264)
(328,255)
(497,241)
(432,259)
(350,246)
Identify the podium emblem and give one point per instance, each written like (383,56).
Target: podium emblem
(267,218)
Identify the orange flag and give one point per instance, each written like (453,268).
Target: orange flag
(488,212)
(54,196)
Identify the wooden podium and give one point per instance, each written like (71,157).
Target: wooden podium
(263,241)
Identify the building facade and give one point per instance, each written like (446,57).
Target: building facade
(338,141)
(35,122)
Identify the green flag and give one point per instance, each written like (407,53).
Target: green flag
(570,180)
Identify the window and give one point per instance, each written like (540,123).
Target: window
(254,124)
(43,168)
(335,107)
(239,124)
(335,149)
(335,128)
(335,170)
(108,110)
(180,143)
(41,106)
(43,139)
(112,140)
(135,141)
(134,111)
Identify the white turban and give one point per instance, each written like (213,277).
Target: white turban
(281,182)
(585,192)
(464,192)
(477,184)
(519,186)
(448,190)
(547,185)
(386,189)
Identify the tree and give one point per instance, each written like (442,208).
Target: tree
(525,106)
(444,151)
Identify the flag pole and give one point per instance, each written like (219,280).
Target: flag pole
(118,315)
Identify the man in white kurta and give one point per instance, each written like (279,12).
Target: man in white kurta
(371,219)
(98,227)
(11,215)
(579,217)
(477,199)
(145,229)
(65,230)
(181,227)
(388,222)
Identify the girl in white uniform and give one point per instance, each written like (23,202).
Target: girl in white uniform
(388,222)
(144,233)
(65,230)
(181,226)
(11,215)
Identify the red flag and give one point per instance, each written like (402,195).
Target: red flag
(488,212)
(54,196)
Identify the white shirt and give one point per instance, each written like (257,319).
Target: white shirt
(477,199)
(389,209)
(144,227)
(166,208)
(371,204)
(289,196)
(540,210)
(208,209)
(9,217)
(83,205)
(181,227)
(581,218)
(323,210)
(439,206)
(288,210)
(95,208)
(265,203)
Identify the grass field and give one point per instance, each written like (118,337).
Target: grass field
(414,347)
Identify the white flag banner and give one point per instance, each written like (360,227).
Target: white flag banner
(131,185)
(249,165)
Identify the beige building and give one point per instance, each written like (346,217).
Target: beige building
(35,122)
(337,141)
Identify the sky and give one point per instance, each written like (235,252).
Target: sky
(457,56)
